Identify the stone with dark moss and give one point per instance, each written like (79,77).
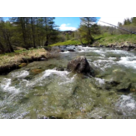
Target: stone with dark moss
(80,65)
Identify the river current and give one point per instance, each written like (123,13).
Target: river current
(56,93)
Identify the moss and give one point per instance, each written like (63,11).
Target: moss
(22,65)
(133,90)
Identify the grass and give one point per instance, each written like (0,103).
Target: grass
(103,39)
(106,39)
(13,58)
(68,42)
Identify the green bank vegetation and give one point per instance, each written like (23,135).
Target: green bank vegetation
(16,57)
(103,39)
(106,39)
(22,36)
(102,35)
(32,32)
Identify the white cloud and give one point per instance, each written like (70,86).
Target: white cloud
(64,27)
(112,20)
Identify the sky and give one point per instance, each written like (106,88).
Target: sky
(112,20)
(72,23)
(68,23)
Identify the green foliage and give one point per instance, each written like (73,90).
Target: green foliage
(128,24)
(134,20)
(69,42)
(87,29)
(32,32)
(67,36)
(27,32)
(106,38)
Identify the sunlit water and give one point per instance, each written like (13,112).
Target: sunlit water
(62,94)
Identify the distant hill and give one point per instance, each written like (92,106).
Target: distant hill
(67,32)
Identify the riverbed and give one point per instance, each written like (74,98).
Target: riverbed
(55,93)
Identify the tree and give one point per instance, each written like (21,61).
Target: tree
(134,20)
(5,36)
(33,30)
(78,36)
(27,32)
(49,27)
(127,21)
(86,30)
(21,24)
(67,36)
(95,29)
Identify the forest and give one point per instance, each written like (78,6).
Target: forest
(32,32)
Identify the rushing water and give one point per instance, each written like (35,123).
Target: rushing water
(57,93)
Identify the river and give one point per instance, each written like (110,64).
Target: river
(56,93)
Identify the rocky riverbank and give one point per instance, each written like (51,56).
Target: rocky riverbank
(4,69)
(16,61)
(8,68)
(128,46)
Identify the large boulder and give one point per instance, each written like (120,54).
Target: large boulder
(80,65)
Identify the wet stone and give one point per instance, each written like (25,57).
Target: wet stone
(80,65)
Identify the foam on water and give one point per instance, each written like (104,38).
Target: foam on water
(103,64)
(49,73)
(84,49)
(121,52)
(126,104)
(53,71)
(128,62)
(20,74)
(6,86)
(100,81)
(68,80)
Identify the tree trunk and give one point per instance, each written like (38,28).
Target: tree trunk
(33,32)
(90,36)
(24,32)
(47,41)
(10,46)
(2,48)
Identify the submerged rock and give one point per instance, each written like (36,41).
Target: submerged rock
(36,71)
(22,65)
(80,65)
(118,80)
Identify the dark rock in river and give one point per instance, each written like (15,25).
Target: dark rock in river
(71,50)
(80,65)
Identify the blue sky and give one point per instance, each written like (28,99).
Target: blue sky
(6,18)
(68,23)
(64,23)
